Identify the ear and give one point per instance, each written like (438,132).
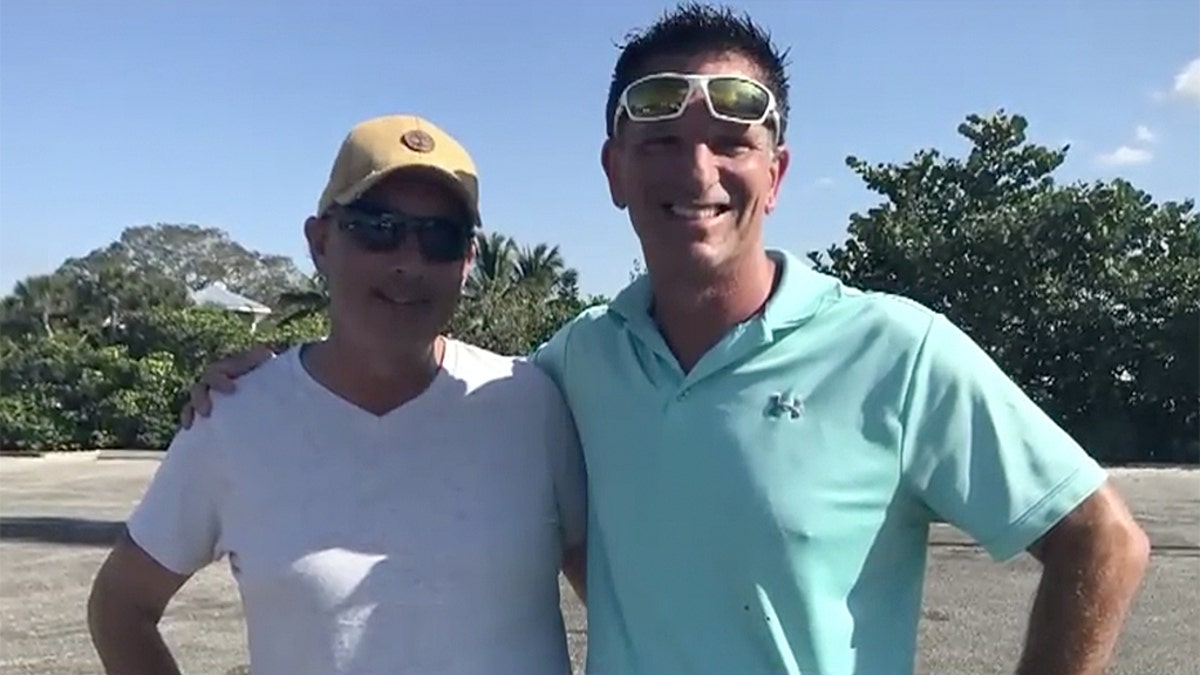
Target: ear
(610,160)
(316,231)
(779,167)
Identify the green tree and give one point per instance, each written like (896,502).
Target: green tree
(495,268)
(63,393)
(198,256)
(36,304)
(88,299)
(70,391)
(98,354)
(515,322)
(105,294)
(300,303)
(541,266)
(1085,294)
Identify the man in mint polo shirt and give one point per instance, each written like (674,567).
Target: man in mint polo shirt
(766,447)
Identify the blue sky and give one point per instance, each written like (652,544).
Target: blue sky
(228,113)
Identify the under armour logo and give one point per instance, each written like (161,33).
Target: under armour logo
(781,405)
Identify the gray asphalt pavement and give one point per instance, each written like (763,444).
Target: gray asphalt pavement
(58,514)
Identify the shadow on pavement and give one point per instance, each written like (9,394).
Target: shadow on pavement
(59,530)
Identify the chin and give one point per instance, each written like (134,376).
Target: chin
(711,251)
(693,260)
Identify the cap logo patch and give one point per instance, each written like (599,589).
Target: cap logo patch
(417,141)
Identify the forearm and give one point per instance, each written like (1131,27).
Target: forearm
(127,642)
(1079,610)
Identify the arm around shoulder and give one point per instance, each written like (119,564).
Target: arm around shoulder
(568,474)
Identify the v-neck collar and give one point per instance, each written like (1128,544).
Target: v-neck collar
(350,412)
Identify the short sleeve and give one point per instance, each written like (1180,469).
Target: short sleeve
(551,355)
(567,470)
(568,464)
(177,521)
(981,454)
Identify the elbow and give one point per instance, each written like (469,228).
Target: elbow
(1100,534)
(1135,547)
(102,603)
(112,610)
(1124,542)
(1122,547)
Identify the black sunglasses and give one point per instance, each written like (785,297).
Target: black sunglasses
(380,230)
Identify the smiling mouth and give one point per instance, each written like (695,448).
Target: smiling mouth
(399,301)
(696,212)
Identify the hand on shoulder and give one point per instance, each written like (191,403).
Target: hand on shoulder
(220,376)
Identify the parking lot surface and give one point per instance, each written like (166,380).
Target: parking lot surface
(58,515)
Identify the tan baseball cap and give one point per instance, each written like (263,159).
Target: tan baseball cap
(376,147)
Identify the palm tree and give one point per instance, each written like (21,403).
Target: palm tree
(540,266)
(501,266)
(568,283)
(495,265)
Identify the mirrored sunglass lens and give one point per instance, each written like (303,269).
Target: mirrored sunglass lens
(656,97)
(738,99)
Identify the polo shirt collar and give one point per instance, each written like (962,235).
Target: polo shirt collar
(797,298)
(800,294)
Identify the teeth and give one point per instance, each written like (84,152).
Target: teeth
(695,211)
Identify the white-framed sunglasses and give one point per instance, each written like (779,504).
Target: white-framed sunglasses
(664,96)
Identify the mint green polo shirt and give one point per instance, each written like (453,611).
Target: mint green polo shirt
(768,512)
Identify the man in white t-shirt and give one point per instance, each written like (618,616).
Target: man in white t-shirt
(389,500)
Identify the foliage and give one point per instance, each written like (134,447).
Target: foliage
(99,353)
(515,322)
(73,391)
(516,297)
(1087,295)
(64,393)
(502,265)
(91,300)
(301,302)
(197,256)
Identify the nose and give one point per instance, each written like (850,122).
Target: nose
(699,165)
(702,166)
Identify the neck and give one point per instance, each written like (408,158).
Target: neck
(694,314)
(377,380)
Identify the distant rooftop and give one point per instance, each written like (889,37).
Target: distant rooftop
(217,294)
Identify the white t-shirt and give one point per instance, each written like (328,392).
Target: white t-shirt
(427,540)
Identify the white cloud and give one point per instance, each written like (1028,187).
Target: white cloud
(1125,156)
(1144,134)
(1187,82)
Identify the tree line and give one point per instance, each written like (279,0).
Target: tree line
(1087,294)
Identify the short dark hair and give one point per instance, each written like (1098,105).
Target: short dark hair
(695,28)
